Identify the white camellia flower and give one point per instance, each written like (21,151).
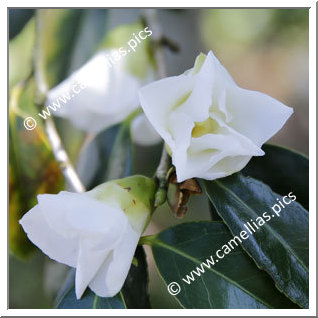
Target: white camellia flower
(97,231)
(98,95)
(211,126)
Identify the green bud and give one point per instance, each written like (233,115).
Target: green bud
(133,195)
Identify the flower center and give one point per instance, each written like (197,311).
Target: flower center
(208,126)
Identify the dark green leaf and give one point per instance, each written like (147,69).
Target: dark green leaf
(283,170)
(280,245)
(67,298)
(214,214)
(232,282)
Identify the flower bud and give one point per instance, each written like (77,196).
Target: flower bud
(97,231)
(135,196)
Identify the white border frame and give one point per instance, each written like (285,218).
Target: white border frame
(312,163)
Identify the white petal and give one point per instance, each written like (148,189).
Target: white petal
(56,246)
(180,127)
(158,99)
(92,254)
(213,67)
(74,214)
(143,132)
(207,150)
(210,150)
(225,167)
(255,114)
(221,74)
(112,274)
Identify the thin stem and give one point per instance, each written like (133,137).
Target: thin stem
(62,157)
(161,176)
(165,162)
(59,152)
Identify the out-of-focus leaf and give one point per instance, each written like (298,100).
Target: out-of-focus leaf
(94,157)
(18,18)
(280,244)
(90,34)
(67,298)
(20,54)
(135,289)
(110,151)
(120,160)
(284,170)
(57,31)
(32,168)
(26,288)
(138,60)
(232,282)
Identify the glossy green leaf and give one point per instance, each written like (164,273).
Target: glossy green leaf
(284,170)
(213,213)
(280,244)
(67,298)
(232,282)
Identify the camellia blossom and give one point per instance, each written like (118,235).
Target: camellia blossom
(98,95)
(97,231)
(211,126)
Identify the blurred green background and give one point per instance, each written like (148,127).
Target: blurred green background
(263,49)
